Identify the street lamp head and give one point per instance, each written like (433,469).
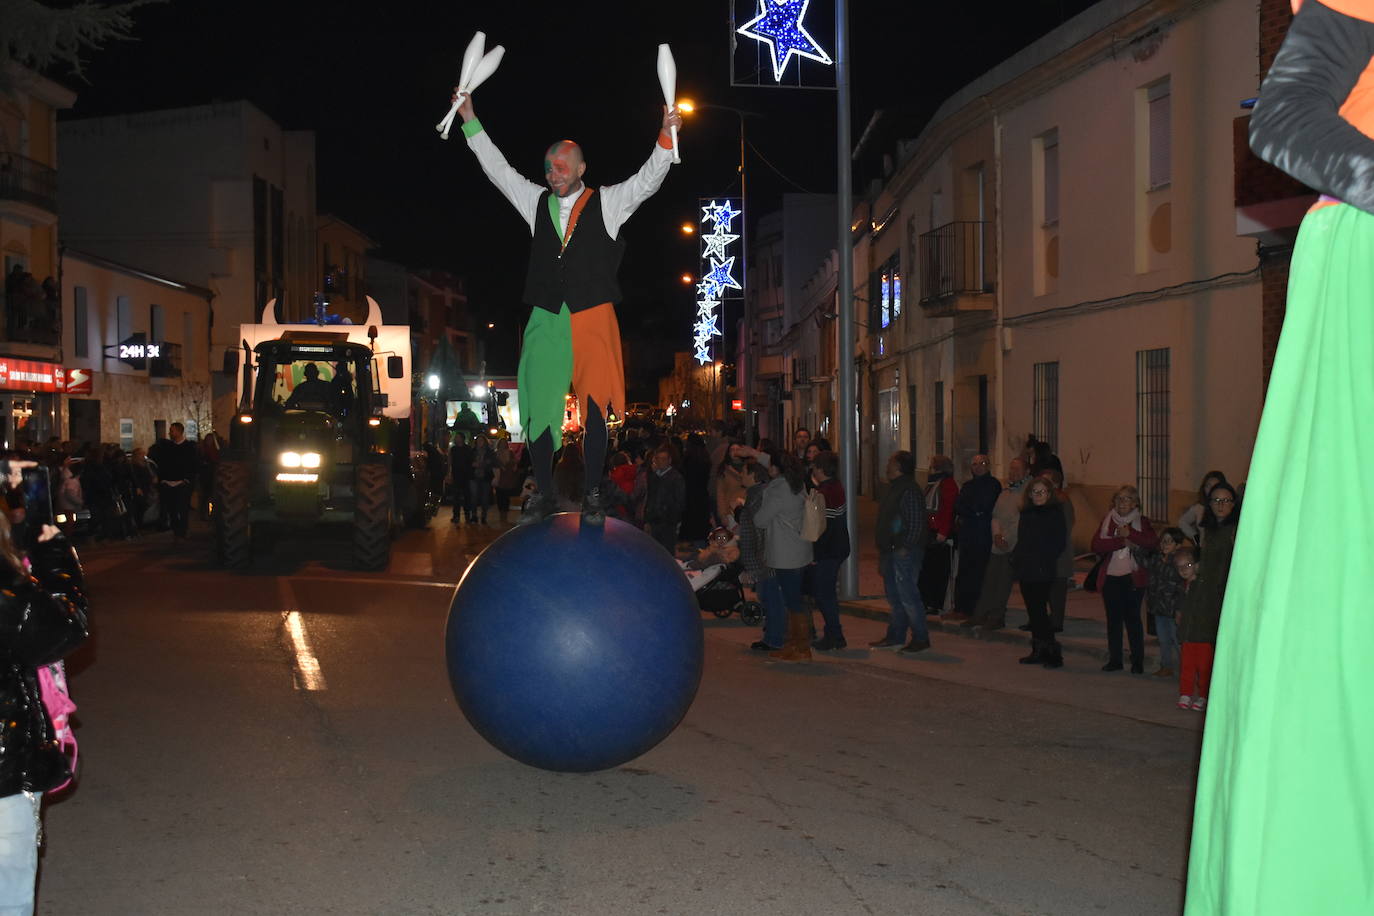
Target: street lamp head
(688,229)
(490,325)
(687,279)
(686,106)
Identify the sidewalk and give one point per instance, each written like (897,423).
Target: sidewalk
(1085,622)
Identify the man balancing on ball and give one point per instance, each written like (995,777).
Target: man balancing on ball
(572,334)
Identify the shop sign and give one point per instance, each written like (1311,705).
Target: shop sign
(78,381)
(31,375)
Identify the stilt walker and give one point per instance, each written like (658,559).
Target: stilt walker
(1284,818)
(572,335)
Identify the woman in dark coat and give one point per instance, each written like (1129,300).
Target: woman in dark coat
(41,621)
(1040,537)
(696,475)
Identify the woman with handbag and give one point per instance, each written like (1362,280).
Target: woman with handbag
(42,619)
(1123,535)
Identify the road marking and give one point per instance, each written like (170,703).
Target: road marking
(307,674)
(380,580)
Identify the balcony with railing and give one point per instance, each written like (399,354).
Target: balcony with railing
(957,272)
(32,311)
(28,189)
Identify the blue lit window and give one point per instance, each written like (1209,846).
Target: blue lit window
(886,300)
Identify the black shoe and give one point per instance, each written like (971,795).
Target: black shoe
(537,508)
(1137,667)
(1053,656)
(1037,653)
(885,643)
(916,645)
(1024,626)
(762,646)
(829,643)
(594,507)
(1112,666)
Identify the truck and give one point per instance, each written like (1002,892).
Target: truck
(320,436)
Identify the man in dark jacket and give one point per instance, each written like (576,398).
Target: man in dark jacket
(664,494)
(176,460)
(460,470)
(973,521)
(901,533)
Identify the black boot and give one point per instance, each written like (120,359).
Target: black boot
(594,507)
(1053,656)
(536,509)
(1037,653)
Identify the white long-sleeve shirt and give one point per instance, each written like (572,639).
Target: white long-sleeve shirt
(618,201)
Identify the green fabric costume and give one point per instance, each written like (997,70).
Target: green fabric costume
(1284,819)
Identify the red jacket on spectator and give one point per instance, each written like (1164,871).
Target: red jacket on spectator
(940,499)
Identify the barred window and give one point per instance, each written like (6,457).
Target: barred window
(1152,430)
(1046,404)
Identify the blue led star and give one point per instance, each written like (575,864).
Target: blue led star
(717,212)
(703,355)
(778,24)
(707,307)
(708,288)
(706,327)
(720,275)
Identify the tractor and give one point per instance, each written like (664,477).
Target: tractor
(321,436)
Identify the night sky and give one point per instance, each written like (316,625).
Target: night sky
(372,79)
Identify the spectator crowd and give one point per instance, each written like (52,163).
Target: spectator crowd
(951,550)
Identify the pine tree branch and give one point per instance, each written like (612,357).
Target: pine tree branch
(40,37)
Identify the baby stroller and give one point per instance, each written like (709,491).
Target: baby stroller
(724,595)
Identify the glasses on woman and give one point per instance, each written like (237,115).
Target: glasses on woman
(1222,500)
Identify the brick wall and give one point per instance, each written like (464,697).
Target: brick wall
(1273,302)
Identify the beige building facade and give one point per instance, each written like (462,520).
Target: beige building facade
(137,353)
(1056,255)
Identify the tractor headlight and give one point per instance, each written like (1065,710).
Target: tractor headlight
(290,459)
(310,460)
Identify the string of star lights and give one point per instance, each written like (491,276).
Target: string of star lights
(717,273)
(779,25)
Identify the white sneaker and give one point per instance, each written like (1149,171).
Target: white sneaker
(1200,704)
(1185,702)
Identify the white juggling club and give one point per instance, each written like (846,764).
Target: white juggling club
(667,81)
(477,66)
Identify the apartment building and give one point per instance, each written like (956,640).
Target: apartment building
(219,196)
(1056,254)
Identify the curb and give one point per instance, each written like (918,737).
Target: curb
(1076,645)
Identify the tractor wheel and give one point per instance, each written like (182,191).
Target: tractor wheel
(233,539)
(372,517)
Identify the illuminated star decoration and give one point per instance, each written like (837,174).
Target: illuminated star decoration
(717,274)
(717,212)
(715,243)
(779,25)
(720,275)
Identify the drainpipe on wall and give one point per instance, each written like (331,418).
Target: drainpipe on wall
(999,455)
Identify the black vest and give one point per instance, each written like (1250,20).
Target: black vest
(584,274)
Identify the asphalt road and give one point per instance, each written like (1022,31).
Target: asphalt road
(285,741)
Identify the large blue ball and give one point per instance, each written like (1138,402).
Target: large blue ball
(573,647)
